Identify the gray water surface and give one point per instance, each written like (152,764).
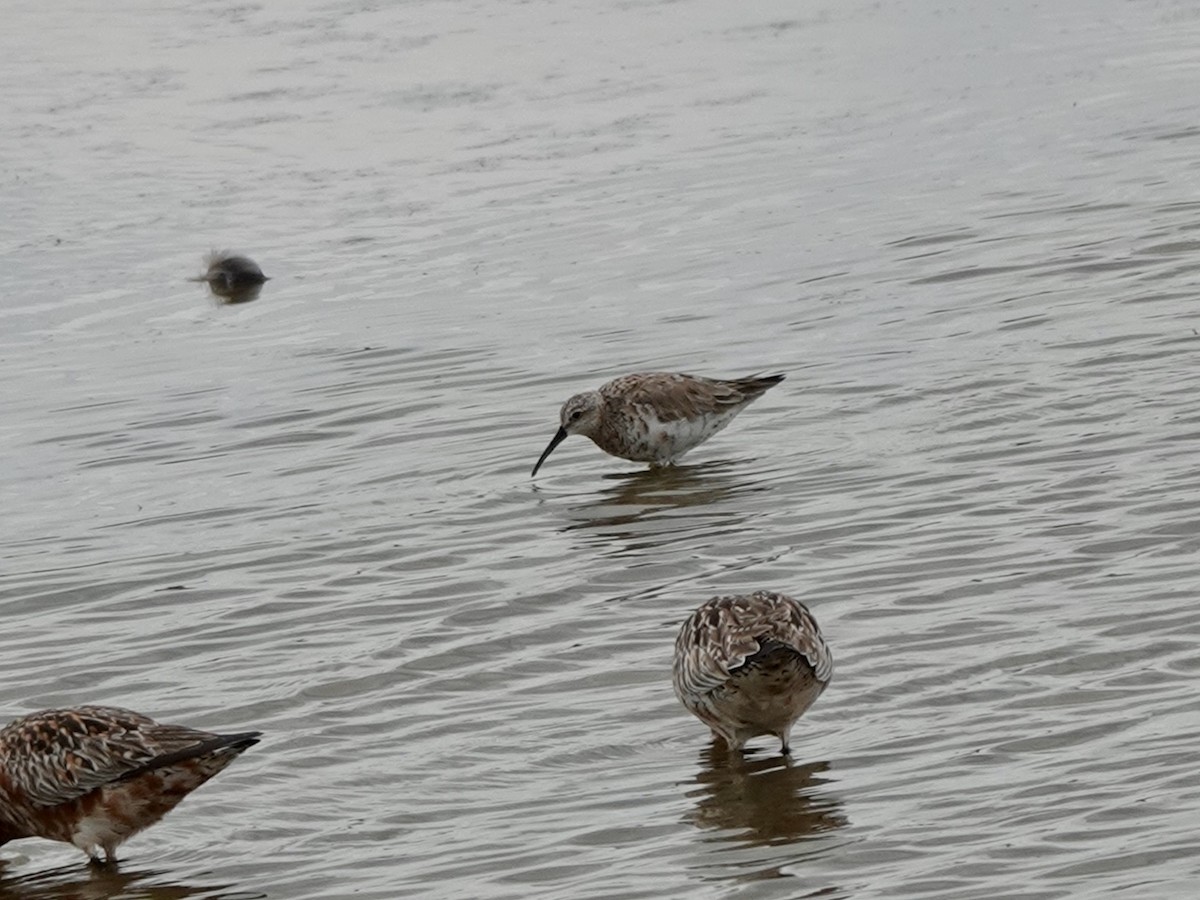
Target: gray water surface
(968,234)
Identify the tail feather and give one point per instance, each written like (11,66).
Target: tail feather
(768,648)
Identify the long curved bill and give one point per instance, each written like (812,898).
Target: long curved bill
(558,438)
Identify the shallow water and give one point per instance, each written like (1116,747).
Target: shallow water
(968,236)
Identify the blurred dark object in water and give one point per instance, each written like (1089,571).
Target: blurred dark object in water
(235,278)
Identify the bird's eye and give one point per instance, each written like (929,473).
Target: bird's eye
(574,416)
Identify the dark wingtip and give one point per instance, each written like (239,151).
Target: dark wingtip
(765,380)
(754,386)
(237,742)
(243,741)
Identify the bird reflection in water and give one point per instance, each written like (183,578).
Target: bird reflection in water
(630,498)
(77,882)
(762,802)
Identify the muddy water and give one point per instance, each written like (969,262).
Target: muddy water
(969,237)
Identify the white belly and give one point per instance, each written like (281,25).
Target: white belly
(670,440)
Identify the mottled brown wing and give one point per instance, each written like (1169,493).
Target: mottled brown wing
(54,756)
(719,636)
(675,396)
(791,623)
(670,396)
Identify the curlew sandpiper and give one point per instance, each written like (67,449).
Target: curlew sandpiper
(750,665)
(656,417)
(93,776)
